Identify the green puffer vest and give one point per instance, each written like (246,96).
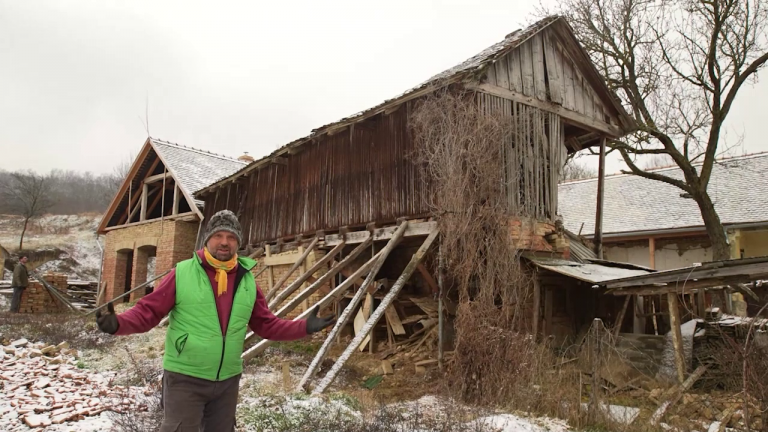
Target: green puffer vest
(194,345)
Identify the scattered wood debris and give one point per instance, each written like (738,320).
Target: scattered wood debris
(41,386)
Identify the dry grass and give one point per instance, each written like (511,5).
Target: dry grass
(81,332)
(463,151)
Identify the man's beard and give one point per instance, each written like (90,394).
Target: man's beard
(223,256)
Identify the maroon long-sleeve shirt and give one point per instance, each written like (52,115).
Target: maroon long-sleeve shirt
(151,309)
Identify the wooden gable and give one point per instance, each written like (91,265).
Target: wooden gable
(148,192)
(551,71)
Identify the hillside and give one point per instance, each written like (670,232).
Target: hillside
(66,242)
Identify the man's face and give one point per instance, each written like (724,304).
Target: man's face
(222,245)
(23,260)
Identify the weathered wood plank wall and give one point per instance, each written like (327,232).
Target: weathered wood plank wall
(366,174)
(361,174)
(533,159)
(540,68)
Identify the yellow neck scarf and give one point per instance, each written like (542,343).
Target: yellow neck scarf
(222,267)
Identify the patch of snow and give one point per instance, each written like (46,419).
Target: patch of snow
(668,370)
(617,413)
(513,423)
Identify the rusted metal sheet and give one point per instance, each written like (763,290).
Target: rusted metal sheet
(358,175)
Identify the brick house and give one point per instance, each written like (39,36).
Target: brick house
(153,221)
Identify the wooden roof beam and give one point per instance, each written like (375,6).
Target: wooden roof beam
(580,119)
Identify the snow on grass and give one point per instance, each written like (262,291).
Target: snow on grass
(299,412)
(71,237)
(513,423)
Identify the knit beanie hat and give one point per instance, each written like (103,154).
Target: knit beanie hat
(224,220)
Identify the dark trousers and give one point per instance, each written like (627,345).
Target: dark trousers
(16,299)
(194,405)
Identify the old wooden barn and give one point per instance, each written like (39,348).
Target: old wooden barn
(341,214)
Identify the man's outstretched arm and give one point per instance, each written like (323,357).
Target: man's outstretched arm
(150,310)
(265,324)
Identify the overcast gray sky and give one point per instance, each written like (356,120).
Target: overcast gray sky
(229,77)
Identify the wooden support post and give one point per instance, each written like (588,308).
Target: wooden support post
(345,315)
(594,400)
(677,337)
(547,311)
(701,304)
(144,195)
(652,252)
(376,316)
(130,201)
(305,275)
(372,335)
(536,305)
(303,270)
(286,376)
(440,313)
(176,197)
(293,268)
(270,271)
(325,301)
(285,310)
(600,198)
(428,279)
(620,320)
(162,194)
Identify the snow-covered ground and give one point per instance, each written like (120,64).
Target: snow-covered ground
(70,238)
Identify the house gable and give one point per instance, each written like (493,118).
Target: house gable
(550,70)
(149,191)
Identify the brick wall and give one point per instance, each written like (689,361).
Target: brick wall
(37,299)
(171,242)
(280,270)
(538,236)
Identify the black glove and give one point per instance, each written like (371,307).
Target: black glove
(108,322)
(315,324)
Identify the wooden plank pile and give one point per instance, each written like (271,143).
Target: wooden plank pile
(412,340)
(712,346)
(41,385)
(82,293)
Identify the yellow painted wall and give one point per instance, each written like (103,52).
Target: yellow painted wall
(754,243)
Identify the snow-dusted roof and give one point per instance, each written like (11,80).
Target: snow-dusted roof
(635,204)
(194,169)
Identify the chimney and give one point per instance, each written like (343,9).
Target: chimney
(245,158)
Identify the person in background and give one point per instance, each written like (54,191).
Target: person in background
(19,283)
(212,299)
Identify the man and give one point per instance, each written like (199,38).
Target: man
(211,298)
(19,282)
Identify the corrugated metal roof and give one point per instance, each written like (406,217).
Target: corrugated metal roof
(579,251)
(590,272)
(636,204)
(194,169)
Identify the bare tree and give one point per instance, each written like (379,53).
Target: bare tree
(574,170)
(658,161)
(678,67)
(27,194)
